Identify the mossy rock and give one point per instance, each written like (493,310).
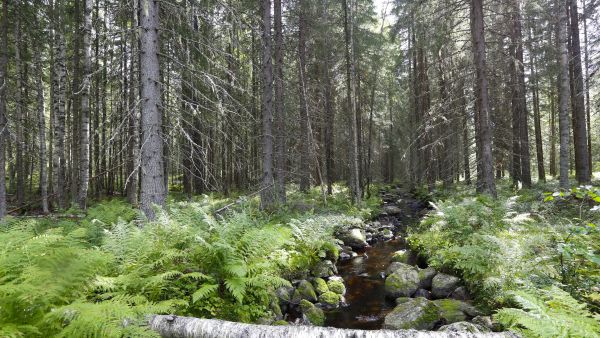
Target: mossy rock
(400,256)
(403,282)
(464,327)
(305,305)
(304,290)
(412,313)
(426,277)
(320,286)
(280,323)
(450,310)
(330,299)
(337,286)
(442,285)
(314,316)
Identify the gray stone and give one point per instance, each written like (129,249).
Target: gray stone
(387,234)
(426,277)
(392,210)
(463,327)
(403,282)
(412,313)
(460,293)
(400,256)
(304,291)
(354,238)
(423,293)
(442,285)
(324,269)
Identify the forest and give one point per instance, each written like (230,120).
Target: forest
(299,168)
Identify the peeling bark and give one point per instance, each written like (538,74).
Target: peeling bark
(188,327)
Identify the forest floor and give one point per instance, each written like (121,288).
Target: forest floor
(529,259)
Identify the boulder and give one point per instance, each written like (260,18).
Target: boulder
(324,269)
(284,294)
(442,285)
(412,313)
(304,291)
(336,285)
(455,311)
(426,277)
(423,293)
(320,286)
(387,234)
(485,321)
(463,327)
(394,267)
(311,314)
(403,282)
(400,256)
(392,210)
(460,293)
(450,310)
(330,300)
(353,237)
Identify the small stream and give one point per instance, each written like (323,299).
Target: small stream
(366,304)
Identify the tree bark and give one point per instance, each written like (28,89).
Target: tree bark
(188,327)
(41,110)
(84,152)
(267,194)
(482,125)
(351,102)
(564,93)
(329,102)
(134,138)
(539,147)
(153,190)
(302,84)
(19,105)
(582,167)
(3,118)
(280,118)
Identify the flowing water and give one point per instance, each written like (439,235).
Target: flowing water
(364,275)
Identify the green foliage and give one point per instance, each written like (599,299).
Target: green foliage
(549,312)
(519,242)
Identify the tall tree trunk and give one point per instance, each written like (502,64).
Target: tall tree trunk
(134,139)
(582,164)
(302,84)
(539,147)
(482,125)
(41,110)
(586,64)
(3,119)
(84,154)
(267,194)
(19,106)
(552,168)
(521,154)
(351,102)
(280,118)
(564,93)
(153,190)
(329,111)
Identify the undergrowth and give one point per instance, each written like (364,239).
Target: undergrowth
(101,274)
(533,254)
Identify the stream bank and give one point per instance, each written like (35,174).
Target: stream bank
(385,285)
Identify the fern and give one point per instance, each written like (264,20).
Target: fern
(549,313)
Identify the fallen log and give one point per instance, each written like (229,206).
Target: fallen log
(187,327)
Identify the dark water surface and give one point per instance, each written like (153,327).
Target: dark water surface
(365,295)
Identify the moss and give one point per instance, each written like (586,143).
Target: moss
(315,316)
(330,298)
(401,284)
(280,323)
(305,305)
(400,256)
(320,286)
(451,310)
(430,315)
(337,286)
(306,291)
